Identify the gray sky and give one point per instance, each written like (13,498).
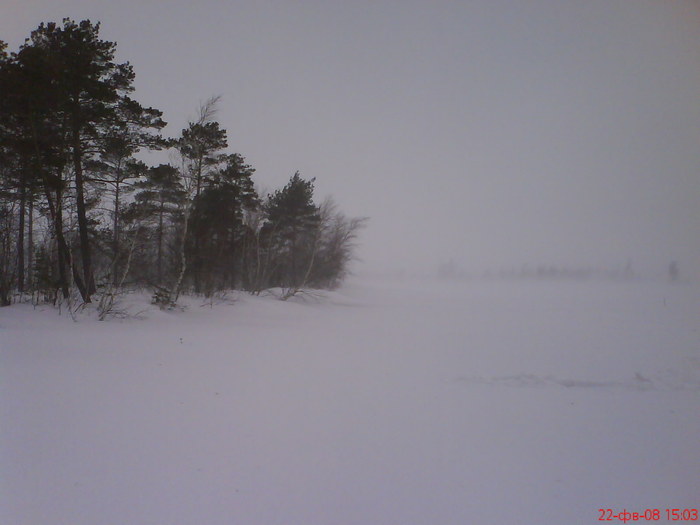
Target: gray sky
(495,133)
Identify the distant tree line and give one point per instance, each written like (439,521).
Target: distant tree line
(79,213)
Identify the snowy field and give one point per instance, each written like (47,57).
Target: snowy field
(382,403)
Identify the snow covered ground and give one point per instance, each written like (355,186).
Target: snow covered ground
(383,403)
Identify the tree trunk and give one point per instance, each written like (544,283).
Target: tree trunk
(30,241)
(57,220)
(175,293)
(20,239)
(160,241)
(88,278)
(115,234)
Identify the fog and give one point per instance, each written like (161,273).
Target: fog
(492,134)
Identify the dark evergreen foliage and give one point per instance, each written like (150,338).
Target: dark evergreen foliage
(79,211)
(292,232)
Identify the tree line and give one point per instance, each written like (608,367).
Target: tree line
(80,214)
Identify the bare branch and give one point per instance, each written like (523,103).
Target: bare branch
(208,109)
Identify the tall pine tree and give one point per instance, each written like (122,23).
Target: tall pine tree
(88,87)
(292,231)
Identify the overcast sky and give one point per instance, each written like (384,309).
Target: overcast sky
(494,133)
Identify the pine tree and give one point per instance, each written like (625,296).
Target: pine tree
(158,202)
(200,146)
(32,147)
(217,229)
(133,129)
(292,230)
(88,88)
